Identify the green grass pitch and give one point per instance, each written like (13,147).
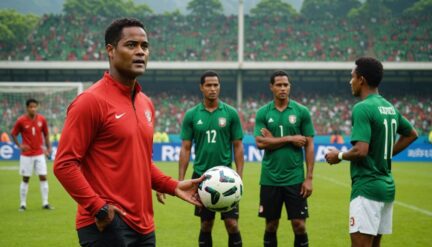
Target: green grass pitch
(176,225)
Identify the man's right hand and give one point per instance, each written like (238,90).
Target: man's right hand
(101,224)
(24,147)
(298,140)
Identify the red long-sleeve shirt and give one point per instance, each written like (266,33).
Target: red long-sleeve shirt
(105,154)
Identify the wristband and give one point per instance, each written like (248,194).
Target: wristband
(340,154)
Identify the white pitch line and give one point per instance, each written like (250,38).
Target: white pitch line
(406,205)
(9,168)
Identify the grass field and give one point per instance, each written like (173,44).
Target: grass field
(177,227)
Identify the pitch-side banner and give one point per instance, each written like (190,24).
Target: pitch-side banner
(171,151)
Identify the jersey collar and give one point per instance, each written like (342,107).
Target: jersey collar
(201,106)
(122,88)
(290,104)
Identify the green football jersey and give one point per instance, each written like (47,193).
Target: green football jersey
(375,121)
(212,134)
(283,166)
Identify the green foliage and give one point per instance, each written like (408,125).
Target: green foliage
(177,226)
(205,8)
(320,9)
(15,27)
(422,7)
(397,7)
(273,8)
(105,8)
(371,9)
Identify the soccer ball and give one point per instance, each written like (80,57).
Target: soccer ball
(221,189)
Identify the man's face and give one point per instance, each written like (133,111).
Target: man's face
(281,87)
(210,88)
(32,109)
(355,83)
(129,57)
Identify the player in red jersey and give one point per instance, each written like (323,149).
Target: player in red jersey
(34,132)
(104,158)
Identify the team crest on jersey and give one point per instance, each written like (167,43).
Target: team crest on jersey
(148,115)
(39,123)
(222,122)
(292,119)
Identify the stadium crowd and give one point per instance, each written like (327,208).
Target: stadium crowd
(330,113)
(194,38)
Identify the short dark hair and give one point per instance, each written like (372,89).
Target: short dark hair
(114,30)
(371,69)
(276,74)
(208,73)
(29,101)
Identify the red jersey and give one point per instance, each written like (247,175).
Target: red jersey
(105,154)
(32,133)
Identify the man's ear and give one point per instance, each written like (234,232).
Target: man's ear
(110,50)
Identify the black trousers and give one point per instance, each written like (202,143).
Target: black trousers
(117,234)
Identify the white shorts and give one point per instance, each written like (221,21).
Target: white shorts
(370,217)
(28,163)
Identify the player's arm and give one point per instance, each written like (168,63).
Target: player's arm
(404,141)
(185,152)
(358,151)
(239,156)
(47,140)
(306,189)
(267,141)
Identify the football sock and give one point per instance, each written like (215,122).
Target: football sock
(23,193)
(234,240)
(270,239)
(301,240)
(44,192)
(205,239)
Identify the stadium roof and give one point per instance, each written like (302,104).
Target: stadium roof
(157,65)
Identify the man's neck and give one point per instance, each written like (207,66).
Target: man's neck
(130,82)
(281,104)
(211,105)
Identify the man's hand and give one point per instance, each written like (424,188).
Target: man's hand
(101,224)
(47,152)
(332,156)
(266,133)
(160,197)
(188,190)
(24,147)
(298,140)
(306,189)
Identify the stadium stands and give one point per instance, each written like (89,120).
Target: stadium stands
(191,38)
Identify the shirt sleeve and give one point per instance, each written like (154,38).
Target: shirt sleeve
(236,127)
(187,128)
(162,182)
(80,128)
(307,125)
(361,129)
(259,122)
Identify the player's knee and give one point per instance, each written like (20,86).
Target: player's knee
(207,225)
(299,226)
(42,178)
(26,179)
(272,226)
(231,226)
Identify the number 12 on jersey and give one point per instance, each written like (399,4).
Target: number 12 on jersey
(211,136)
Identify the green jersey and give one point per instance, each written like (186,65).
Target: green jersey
(212,134)
(283,166)
(375,121)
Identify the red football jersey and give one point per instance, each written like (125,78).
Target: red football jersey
(32,133)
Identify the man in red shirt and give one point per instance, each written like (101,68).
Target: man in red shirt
(34,133)
(104,158)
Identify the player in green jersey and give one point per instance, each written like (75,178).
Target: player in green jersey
(284,129)
(215,130)
(375,123)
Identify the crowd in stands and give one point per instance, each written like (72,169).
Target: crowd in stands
(330,113)
(191,38)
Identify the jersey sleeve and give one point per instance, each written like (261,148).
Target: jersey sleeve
(236,127)
(82,123)
(187,127)
(307,127)
(404,127)
(259,122)
(16,128)
(162,182)
(361,127)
